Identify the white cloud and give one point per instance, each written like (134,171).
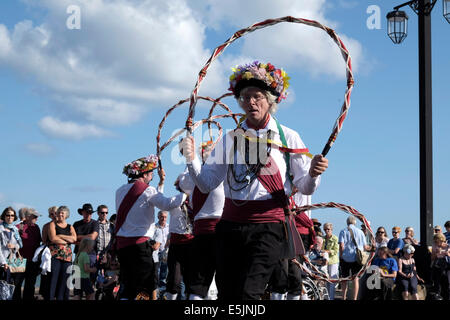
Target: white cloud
(70,130)
(130,56)
(289,45)
(40,149)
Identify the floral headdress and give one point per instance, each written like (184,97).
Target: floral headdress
(261,75)
(141,165)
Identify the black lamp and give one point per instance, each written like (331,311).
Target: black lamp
(398,25)
(446,9)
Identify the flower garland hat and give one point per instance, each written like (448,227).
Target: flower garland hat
(141,165)
(260,75)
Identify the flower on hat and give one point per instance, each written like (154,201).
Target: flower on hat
(141,165)
(273,79)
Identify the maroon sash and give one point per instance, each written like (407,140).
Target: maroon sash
(270,178)
(198,200)
(127,203)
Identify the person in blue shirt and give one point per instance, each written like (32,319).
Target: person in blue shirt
(388,269)
(347,254)
(447,234)
(396,244)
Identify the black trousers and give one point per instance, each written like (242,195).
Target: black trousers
(247,254)
(31,272)
(178,264)
(203,266)
(136,270)
(286,277)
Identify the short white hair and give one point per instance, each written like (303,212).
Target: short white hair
(351,220)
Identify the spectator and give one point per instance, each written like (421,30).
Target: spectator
(157,237)
(163,226)
(408,274)
(44,289)
(86,227)
(381,239)
(388,269)
(409,237)
(10,243)
(113,218)
(331,246)
(437,229)
(61,235)
(22,214)
(83,262)
(109,280)
(366,234)
(105,232)
(447,234)
(317,225)
(319,257)
(31,238)
(347,253)
(440,254)
(395,245)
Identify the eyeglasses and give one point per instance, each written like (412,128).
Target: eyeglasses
(256,98)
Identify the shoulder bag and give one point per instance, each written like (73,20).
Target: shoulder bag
(361,255)
(16,263)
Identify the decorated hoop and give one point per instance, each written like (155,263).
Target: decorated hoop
(270,22)
(317,274)
(210,120)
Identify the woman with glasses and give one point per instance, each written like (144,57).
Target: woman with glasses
(409,237)
(381,239)
(395,245)
(10,243)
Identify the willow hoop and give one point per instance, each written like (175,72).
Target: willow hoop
(270,22)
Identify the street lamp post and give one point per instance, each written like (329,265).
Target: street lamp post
(397,31)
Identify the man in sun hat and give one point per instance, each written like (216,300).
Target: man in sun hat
(256,186)
(135,206)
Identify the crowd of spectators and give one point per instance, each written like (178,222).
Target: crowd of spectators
(94,270)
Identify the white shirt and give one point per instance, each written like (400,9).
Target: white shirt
(215,170)
(142,213)
(213,206)
(303,200)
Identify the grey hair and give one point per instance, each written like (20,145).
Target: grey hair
(328,224)
(65,210)
(22,213)
(271,99)
(351,220)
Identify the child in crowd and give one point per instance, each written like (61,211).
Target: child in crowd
(83,262)
(108,281)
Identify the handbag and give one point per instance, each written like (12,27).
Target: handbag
(361,256)
(6,290)
(16,263)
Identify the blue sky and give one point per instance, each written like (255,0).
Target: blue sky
(78,104)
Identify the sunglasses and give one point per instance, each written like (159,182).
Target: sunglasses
(103,212)
(9,215)
(437,230)
(326,229)
(394,232)
(381,232)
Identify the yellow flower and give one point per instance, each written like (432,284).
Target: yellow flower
(247,75)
